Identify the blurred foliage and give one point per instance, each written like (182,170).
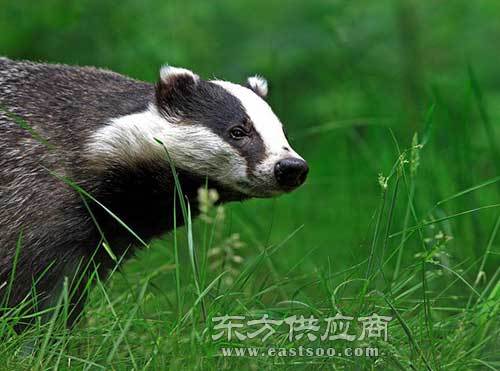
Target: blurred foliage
(341,74)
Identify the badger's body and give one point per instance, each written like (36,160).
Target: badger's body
(63,126)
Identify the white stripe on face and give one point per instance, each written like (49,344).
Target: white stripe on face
(265,123)
(194,148)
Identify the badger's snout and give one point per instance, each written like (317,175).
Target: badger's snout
(291,172)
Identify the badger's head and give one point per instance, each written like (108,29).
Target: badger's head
(215,129)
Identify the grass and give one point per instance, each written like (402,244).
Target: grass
(157,313)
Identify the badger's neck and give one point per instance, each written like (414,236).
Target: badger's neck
(145,198)
(132,177)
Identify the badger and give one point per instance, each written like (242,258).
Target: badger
(86,158)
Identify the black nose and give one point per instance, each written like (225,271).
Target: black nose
(291,172)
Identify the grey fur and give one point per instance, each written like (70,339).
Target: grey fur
(47,114)
(63,105)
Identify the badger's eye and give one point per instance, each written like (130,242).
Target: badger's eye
(238,133)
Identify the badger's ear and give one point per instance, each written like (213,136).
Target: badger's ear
(174,85)
(259,85)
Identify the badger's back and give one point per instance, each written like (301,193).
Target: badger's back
(46,114)
(65,103)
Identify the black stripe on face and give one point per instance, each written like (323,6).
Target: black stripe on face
(208,104)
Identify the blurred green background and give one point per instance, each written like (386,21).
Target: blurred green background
(342,74)
(353,81)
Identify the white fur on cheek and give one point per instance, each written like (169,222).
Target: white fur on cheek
(131,139)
